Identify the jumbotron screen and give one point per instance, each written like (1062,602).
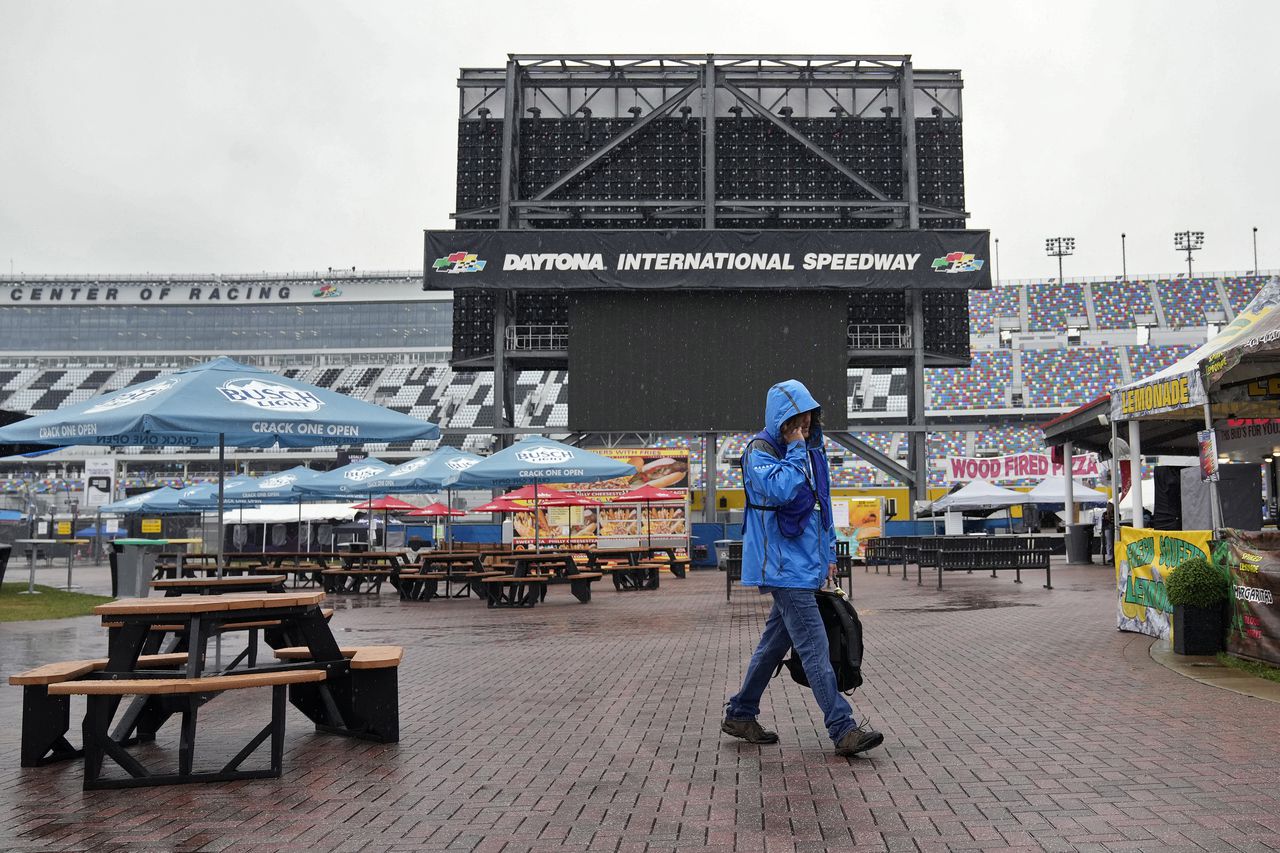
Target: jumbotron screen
(702,361)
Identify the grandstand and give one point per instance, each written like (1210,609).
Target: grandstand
(1039,348)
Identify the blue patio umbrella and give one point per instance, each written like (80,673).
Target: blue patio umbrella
(272,489)
(250,491)
(139,503)
(539,460)
(219,403)
(426,474)
(349,481)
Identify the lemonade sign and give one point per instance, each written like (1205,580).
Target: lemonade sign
(1143,563)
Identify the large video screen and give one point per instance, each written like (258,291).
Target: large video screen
(702,361)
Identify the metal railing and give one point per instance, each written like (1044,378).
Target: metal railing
(537,338)
(879,336)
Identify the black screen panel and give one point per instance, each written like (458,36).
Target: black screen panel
(698,361)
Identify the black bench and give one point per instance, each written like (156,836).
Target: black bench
(994,554)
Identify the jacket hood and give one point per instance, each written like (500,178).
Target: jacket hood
(786,399)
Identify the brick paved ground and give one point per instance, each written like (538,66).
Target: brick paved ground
(1015,718)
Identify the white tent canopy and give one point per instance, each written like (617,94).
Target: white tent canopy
(284,513)
(1052,490)
(979,494)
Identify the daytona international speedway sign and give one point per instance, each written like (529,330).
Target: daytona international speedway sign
(706,259)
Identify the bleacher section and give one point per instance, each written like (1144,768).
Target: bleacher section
(1186,303)
(986,305)
(1144,361)
(982,385)
(1118,304)
(1066,378)
(1240,290)
(1051,307)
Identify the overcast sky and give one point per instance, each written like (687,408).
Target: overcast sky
(248,136)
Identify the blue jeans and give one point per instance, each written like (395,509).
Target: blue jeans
(795,622)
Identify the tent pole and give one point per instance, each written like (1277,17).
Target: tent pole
(1068,482)
(1135,474)
(1115,491)
(448,519)
(1215,504)
(222,460)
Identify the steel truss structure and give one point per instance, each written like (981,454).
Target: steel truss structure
(706,90)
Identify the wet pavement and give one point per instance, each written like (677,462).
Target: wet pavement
(1015,718)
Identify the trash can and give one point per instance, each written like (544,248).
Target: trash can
(135,565)
(1079,544)
(5,551)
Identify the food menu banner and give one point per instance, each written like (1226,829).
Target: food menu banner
(1144,560)
(1254,560)
(618,524)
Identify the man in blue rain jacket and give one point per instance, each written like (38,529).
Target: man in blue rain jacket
(789,551)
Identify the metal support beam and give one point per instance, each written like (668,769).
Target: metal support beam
(709,146)
(662,109)
(510,144)
(500,367)
(709,477)
(917,440)
(875,457)
(910,174)
(815,149)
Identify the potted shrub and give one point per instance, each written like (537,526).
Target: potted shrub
(1197,590)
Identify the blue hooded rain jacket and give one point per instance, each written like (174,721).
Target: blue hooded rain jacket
(770,558)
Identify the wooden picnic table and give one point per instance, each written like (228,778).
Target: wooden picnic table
(634,575)
(220,586)
(422,582)
(532,572)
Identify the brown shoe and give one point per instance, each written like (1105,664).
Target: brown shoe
(748,730)
(859,740)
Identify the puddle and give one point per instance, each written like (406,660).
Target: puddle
(964,601)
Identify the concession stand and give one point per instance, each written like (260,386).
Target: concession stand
(1220,404)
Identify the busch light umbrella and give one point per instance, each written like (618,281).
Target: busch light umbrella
(540,460)
(219,403)
(271,489)
(427,474)
(349,481)
(131,505)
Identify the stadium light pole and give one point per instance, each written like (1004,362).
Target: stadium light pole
(1189,242)
(1255,240)
(1060,247)
(1255,251)
(1124,260)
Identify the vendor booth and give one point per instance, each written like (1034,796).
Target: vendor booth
(1217,404)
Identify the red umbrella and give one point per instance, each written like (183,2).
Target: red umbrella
(386,502)
(647,495)
(435,510)
(501,505)
(545,496)
(542,496)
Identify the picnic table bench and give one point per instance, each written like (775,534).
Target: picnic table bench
(335,693)
(422,583)
(531,572)
(217,586)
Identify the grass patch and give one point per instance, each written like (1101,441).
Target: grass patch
(1253,667)
(50,604)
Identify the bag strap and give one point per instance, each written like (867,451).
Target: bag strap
(764,444)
